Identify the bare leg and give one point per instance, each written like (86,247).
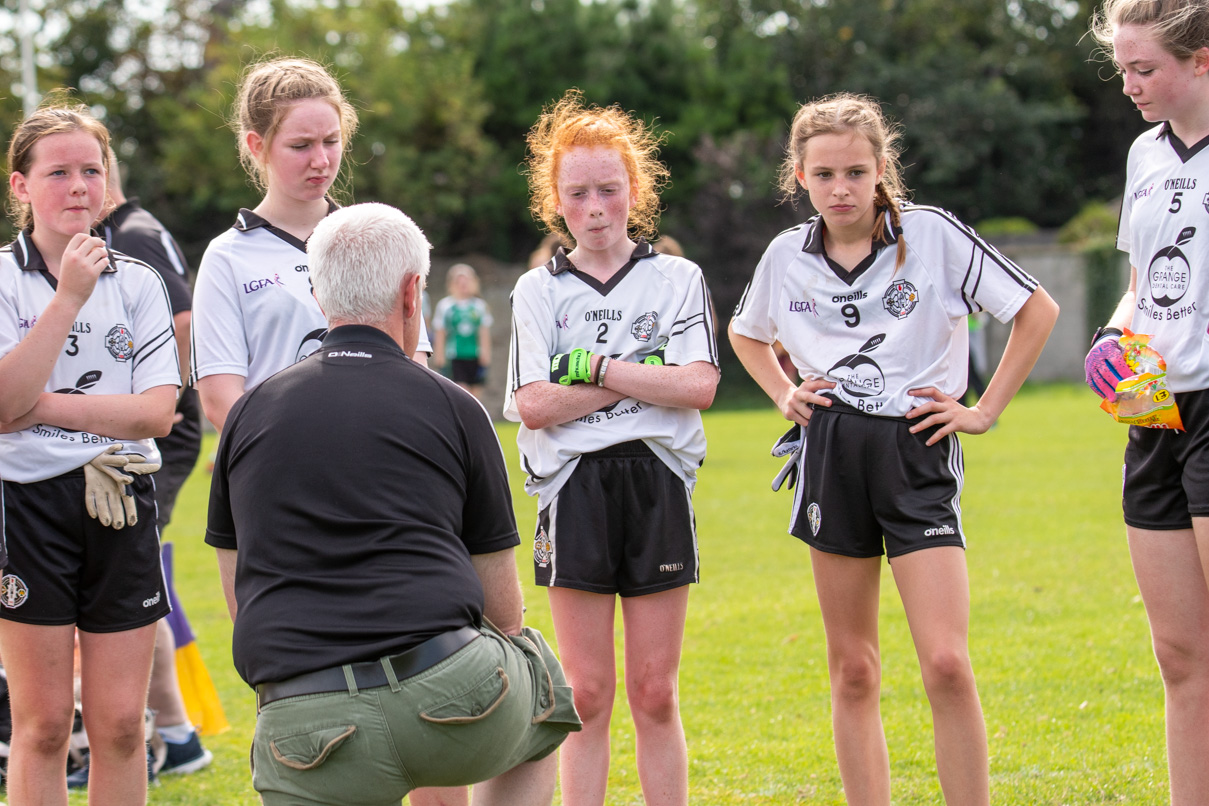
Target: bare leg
(115,671)
(935,590)
(528,784)
(1170,569)
(848,590)
(654,634)
(39,662)
(583,624)
(164,694)
(441,796)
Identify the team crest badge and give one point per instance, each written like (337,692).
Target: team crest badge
(815,516)
(13,592)
(900,299)
(644,326)
(1205,202)
(120,343)
(541,548)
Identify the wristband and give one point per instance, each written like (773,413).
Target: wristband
(604,367)
(1101,332)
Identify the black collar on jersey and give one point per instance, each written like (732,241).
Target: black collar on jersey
(814,245)
(367,335)
(1182,151)
(248,220)
(30,259)
(561,263)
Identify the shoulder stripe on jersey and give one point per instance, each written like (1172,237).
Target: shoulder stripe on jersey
(153,345)
(1007,266)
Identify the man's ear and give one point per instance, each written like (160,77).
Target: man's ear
(413,291)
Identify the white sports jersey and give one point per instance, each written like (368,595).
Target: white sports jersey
(1165,229)
(253,310)
(877,332)
(653,300)
(122,343)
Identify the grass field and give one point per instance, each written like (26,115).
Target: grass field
(1071,692)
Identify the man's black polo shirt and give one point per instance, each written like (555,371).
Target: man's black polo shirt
(355,486)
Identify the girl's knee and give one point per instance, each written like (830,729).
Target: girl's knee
(593,699)
(119,735)
(856,677)
(1180,662)
(654,698)
(948,673)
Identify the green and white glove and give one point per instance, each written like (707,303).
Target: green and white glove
(105,496)
(657,358)
(572,367)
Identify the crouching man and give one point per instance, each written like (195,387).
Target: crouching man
(365,535)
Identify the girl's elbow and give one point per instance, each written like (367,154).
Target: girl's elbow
(161,426)
(705,397)
(532,418)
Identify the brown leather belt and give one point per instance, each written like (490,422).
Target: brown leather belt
(369,674)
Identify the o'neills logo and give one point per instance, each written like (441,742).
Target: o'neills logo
(937,531)
(669,567)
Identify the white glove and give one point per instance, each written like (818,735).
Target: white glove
(137,463)
(105,497)
(790,444)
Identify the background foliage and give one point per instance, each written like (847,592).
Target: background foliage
(1004,116)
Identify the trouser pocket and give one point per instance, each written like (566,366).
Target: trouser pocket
(308,750)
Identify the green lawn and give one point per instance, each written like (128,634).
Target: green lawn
(1071,692)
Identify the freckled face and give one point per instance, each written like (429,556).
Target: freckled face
(65,183)
(595,196)
(1160,84)
(303,158)
(840,173)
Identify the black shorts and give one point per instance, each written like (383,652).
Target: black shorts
(623,523)
(467,371)
(1166,481)
(867,477)
(66,568)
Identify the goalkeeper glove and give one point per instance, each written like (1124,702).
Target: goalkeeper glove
(1105,365)
(104,489)
(572,367)
(790,444)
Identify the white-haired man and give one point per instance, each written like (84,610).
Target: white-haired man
(361,511)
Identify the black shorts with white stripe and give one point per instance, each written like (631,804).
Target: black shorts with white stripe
(622,523)
(865,478)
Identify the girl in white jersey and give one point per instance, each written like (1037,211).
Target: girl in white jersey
(1162,52)
(869,298)
(612,357)
(253,310)
(87,368)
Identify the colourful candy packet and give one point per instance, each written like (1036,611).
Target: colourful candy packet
(1143,398)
